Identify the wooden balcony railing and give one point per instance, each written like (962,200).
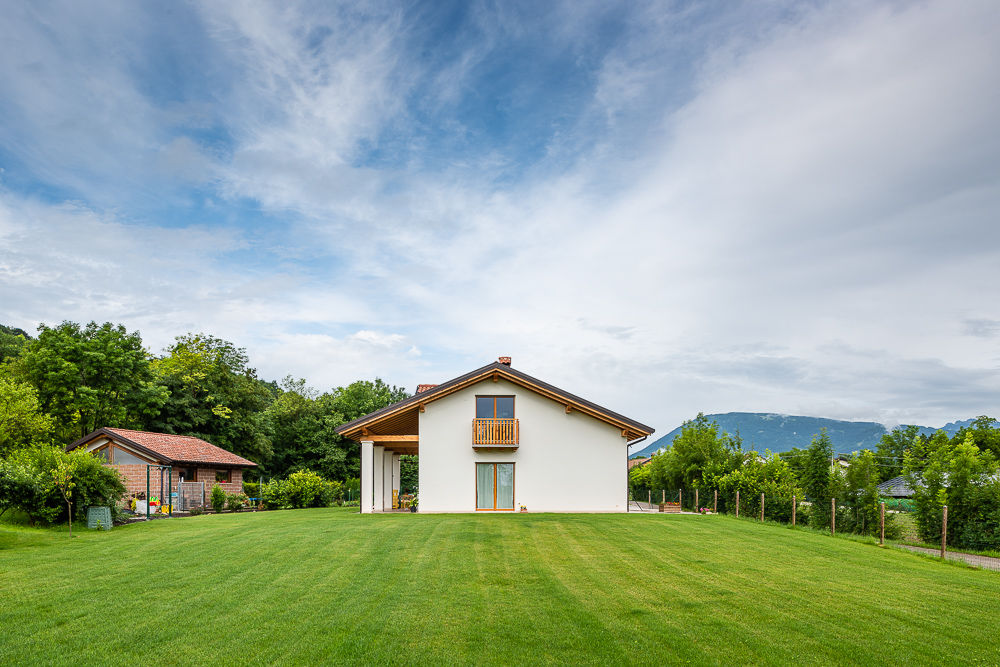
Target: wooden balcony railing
(495,432)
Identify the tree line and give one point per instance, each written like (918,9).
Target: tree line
(961,471)
(70,379)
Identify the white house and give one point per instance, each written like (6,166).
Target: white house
(496,439)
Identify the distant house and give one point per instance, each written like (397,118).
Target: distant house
(495,439)
(897,487)
(632,463)
(197,463)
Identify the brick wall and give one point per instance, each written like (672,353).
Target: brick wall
(135,480)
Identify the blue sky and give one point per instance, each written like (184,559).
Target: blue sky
(667,207)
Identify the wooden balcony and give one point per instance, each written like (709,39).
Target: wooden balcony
(494,433)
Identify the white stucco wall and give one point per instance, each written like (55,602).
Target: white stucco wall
(564,463)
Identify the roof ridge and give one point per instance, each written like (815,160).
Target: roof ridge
(169,435)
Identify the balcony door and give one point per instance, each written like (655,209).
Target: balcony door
(494,407)
(495,486)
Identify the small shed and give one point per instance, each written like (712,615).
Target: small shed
(196,465)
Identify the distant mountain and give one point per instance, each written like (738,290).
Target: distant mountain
(780,433)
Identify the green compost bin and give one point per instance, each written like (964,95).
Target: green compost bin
(99,516)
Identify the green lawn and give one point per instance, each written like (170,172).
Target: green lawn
(314,586)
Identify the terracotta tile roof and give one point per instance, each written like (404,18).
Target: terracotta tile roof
(424,387)
(176,448)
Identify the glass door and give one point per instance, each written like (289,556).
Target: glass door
(495,486)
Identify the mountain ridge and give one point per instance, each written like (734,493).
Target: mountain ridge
(779,432)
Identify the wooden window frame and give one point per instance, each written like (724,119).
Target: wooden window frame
(186,480)
(512,397)
(513,482)
(229,476)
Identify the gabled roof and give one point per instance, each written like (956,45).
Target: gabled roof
(631,429)
(169,448)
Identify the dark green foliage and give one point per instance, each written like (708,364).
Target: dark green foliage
(303,433)
(862,478)
(26,483)
(307,489)
(215,395)
(218,498)
(893,447)
(89,377)
(818,480)
(408,478)
(12,341)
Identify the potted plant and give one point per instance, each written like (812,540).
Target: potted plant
(413,503)
(524,508)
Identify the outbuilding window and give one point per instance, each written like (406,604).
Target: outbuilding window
(223,476)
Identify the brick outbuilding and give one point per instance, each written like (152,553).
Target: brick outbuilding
(196,462)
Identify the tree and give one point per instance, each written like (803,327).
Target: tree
(356,400)
(22,422)
(12,340)
(62,481)
(983,433)
(893,447)
(862,481)
(215,395)
(89,377)
(818,481)
(303,435)
(698,451)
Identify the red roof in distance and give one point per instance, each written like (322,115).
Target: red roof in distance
(172,448)
(421,388)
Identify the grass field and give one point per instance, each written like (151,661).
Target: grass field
(312,586)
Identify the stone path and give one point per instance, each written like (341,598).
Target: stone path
(985,562)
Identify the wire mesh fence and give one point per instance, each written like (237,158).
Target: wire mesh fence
(890,519)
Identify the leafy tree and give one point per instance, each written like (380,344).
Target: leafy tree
(768,474)
(698,451)
(356,400)
(215,395)
(818,480)
(12,341)
(983,433)
(893,447)
(408,474)
(89,377)
(302,432)
(862,481)
(22,422)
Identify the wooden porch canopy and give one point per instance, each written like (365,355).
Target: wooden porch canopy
(396,427)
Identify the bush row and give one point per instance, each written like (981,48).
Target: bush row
(302,489)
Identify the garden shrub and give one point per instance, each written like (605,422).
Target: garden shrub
(218,499)
(26,483)
(236,501)
(273,495)
(306,489)
(251,489)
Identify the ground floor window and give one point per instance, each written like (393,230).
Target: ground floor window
(494,486)
(222,476)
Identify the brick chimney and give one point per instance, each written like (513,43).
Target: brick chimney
(504,360)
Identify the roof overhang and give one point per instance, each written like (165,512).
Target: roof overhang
(374,422)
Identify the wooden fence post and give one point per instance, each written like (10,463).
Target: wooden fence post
(650,496)
(944,529)
(833,516)
(737,503)
(664,495)
(881,523)
(696,508)
(715,502)
(793,511)
(680,499)
(762,507)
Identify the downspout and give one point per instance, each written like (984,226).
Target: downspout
(627,445)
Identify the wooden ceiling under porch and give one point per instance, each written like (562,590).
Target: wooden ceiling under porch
(399,433)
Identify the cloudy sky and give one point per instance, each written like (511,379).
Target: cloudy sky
(668,208)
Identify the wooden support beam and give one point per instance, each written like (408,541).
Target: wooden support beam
(569,409)
(394,438)
(421,407)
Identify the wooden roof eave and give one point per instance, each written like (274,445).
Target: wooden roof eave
(629,432)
